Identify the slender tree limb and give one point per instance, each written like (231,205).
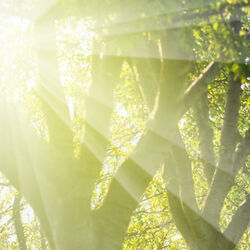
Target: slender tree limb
(18,223)
(184,174)
(210,12)
(184,177)
(6,223)
(230,238)
(241,155)
(242,152)
(160,226)
(237,226)
(174,199)
(199,86)
(230,125)
(147,73)
(3,212)
(224,173)
(201,112)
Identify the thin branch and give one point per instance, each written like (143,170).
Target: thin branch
(174,201)
(151,197)
(6,224)
(159,226)
(184,177)
(229,129)
(210,12)
(2,213)
(238,224)
(242,152)
(199,86)
(201,112)
(147,74)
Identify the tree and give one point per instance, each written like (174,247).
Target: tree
(172,81)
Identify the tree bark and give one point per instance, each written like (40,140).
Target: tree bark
(201,111)
(18,223)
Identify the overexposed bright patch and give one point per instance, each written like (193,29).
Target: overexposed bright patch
(71,107)
(121,110)
(74,44)
(28,214)
(182,122)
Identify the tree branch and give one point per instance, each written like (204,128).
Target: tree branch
(99,108)
(199,86)
(147,74)
(18,223)
(238,224)
(224,176)
(174,199)
(185,180)
(241,153)
(230,125)
(201,111)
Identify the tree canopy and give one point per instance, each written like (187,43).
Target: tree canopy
(124,124)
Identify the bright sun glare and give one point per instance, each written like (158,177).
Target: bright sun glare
(20,74)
